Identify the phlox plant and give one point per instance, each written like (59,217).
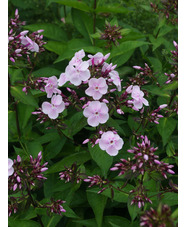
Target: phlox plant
(92,132)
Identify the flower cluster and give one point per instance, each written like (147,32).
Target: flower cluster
(35,83)
(97,180)
(139,196)
(173,76)
(154,116)
(160,217)
(54,206)
(20,44)
(26,173)
(169,9)
(71,174)
(137,97)
(98,80)
(112,34)
(144,160)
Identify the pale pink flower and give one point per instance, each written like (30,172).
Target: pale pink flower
(77,74)
(97,113)
(111,143)
(137,95)
(98,58)
(54,108)
(62,79)
(77,59)
(114,75)
(108,67)
(51,86)
(31,45)
(97,88)
(10,168)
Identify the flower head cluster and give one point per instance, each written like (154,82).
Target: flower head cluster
(20,43)
(97,180)
(112,34)
(154,116)
(160,217)
(35,83)
(26,172)
(139,196)
(71,174)
(169,8)
(55,206)
(174,75)
(143,76)
(144,160)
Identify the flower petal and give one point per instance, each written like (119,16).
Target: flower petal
(46,107)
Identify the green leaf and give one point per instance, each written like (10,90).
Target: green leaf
(115,123)
(34,148)
(157,91)
(170,198)
(133,123)
(46,71)
(170,149)
(103,160)
(15,75)
(126,47)
(97,202)
(165,128)
(71,47)
(156,64)
(73,3)
(122,59)
(50,221)
(12,127)
(111,9)
(75,124)
(83,23)
(52,31)
(87,223)
(116,221)
(69,212)
(170,87)
(24,112)
(54,147)
(119,196)
(22,223)
(56,47)
(22,97)
(133,210)
(79,158)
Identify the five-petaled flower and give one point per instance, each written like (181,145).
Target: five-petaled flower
(77,74)
(111,143)
(97,88)
(97,113)
(10,168)
(54,108)
(137,96)
(51,86)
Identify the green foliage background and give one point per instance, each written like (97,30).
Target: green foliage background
(147,37)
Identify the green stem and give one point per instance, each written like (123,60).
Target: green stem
(33,203)
(94,21)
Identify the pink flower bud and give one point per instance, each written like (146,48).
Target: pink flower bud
(85,141)
(163,106)
(23,33)
(119,111)
(18,158)
(137,67)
